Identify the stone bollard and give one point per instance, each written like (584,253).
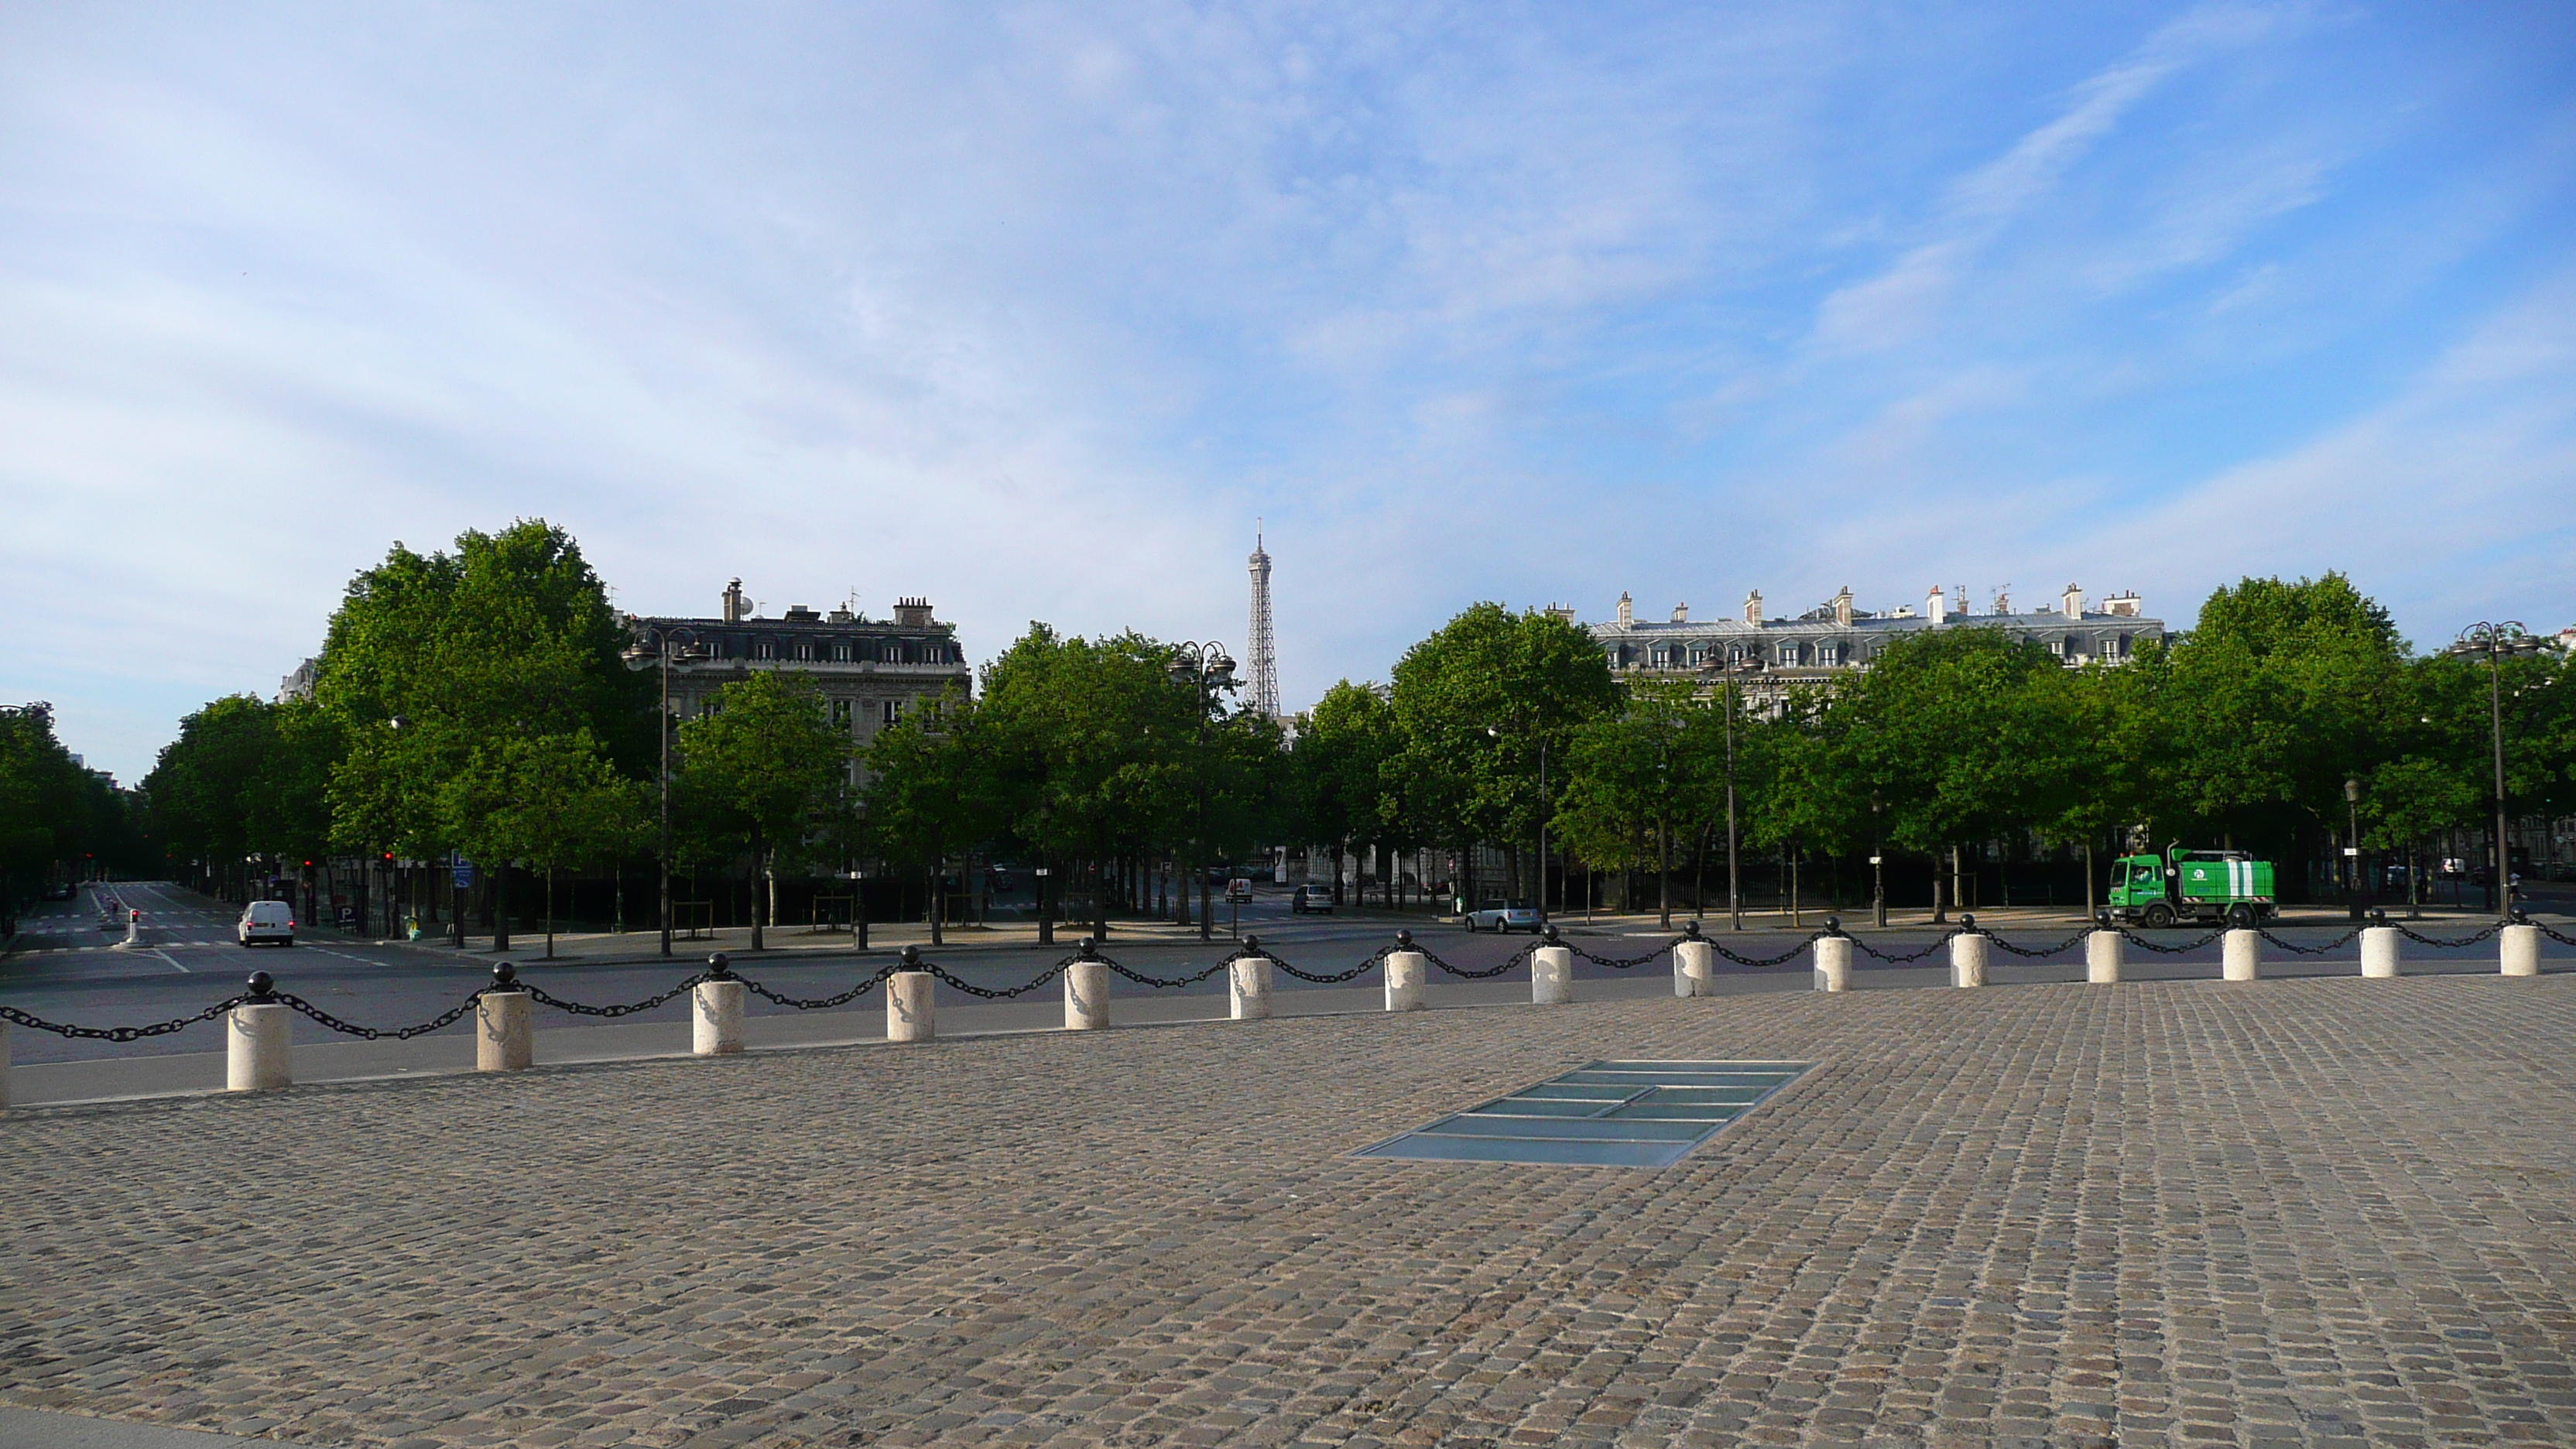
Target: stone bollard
(1968,952)
(4,1064)
(715,1015)
(133,929)
(2103,953)
(2241,956)
(2518,948)
(255,1041)
(909,1008)
(1833,957)
(505,1024)
(2380,952)
(1247,983)
(1086,992)
(1406,970)
(1694,965)
(1551,973)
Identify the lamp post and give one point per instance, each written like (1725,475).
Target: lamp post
(2494,642)
(665,645)
(1496,735)
(1878,853)
(1728,668)
(1046,921)
(1206,668)
(2352,845)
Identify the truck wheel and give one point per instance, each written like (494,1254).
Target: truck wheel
(2241,917)
(2159,917)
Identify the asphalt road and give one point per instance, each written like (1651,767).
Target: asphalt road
(65,969)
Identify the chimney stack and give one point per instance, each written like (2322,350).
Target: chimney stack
(1681,613)
(1935,607)
(736,607)
(1627,610)
(1753,608)
(2074,602)
(1843,607)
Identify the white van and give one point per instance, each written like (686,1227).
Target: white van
(267,921)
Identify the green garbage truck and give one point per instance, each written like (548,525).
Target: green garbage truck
(2208,887)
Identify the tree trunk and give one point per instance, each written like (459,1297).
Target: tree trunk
(1664,874)
(550,913)
(501,909)
(751,890)
(934,884)
(1940,899)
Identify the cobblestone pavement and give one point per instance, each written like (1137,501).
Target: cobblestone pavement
(2321,1212)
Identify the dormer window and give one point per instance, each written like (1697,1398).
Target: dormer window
(764,649)
(805,652)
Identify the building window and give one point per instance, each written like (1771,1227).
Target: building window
(889,711)
(1788,655)
(1829,655)
(764,649)
(841,652)
(805,652)
(840,714)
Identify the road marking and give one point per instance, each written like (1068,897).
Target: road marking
(166,956)
(345,956)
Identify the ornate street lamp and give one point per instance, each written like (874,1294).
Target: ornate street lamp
(660,647)
(2495,643)
(2352,847)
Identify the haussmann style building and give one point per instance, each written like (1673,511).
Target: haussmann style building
(1771,656)
(870,672)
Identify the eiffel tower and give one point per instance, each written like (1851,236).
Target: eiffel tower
(1263,646)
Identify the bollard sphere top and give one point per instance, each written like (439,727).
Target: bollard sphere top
(1086,948)
(1967,923)
(1833,925)
(1252,945)
(1690,929)
(2379,915)
(1550,929)
(504,975)
(261,985)
(911,956)
(1404,940)
(720,966)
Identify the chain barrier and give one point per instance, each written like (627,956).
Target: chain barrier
(2134,939)
(2066,945)
(1617,965)
(988,993)
(2546,931)
(1336,978)
(2487,934)
(1518,958)
(118,1033)
(2346,939)
(440,1022)
(1867,949)
(820,1003)
(1767,962)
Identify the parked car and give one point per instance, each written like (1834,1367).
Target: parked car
(1311,901)
(1499,916)
(1238,890)
(271,921)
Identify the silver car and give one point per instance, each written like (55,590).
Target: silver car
(1497,917)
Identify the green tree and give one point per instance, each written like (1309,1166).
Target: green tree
(1477,703)
(929,793)
(49,812)
(765,761)
(1339,786)
(548,801)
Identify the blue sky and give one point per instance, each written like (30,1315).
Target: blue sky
(1034,308)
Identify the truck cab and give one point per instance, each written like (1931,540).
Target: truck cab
(2207,887)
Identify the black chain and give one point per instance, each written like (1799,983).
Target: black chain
(1355,973)
(2553,935)
(1768,962)
(2346,939)
(2465,940)
(629,1009)
(2134,939)
(1519,957)
(368,1033)
(820,1003)
(1617,965)
(2065,945)
(1867,949)
(119,1033)
(989,993)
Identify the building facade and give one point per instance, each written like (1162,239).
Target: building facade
(870,672)
(1772,656)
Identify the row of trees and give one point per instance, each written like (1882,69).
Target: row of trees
(479,702)
(59,822)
